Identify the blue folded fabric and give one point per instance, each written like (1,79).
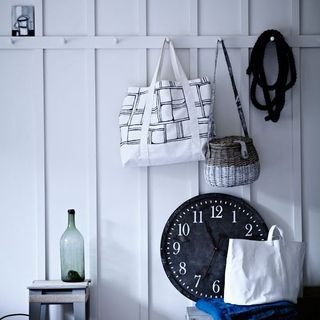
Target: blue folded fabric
(220,310)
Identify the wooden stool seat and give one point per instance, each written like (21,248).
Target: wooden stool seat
(46,292)
(193,313)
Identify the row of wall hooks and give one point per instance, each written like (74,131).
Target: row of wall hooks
(63,40)
(146,42)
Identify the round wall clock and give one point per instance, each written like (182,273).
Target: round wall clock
(194,241)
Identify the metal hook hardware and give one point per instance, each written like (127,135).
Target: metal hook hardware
(271,39)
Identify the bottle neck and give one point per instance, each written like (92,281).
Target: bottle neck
(71,220)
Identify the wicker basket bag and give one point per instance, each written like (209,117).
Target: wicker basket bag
(233,160)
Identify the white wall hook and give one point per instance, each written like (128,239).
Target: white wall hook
(65,40)
(219,39)
(167,39)
(271,38)
(12,41)
(116,40)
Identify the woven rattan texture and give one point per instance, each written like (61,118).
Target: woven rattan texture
(226,167)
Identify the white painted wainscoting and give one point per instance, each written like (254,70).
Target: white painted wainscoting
(60,95)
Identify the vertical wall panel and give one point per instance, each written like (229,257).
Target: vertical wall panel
(310,95)
(168,17)
(165,301)
(272,193)
(219,17)
(118,221)
(310,11)
(119,17)
(270,14)
(67,148)
(18,183)
(64,19)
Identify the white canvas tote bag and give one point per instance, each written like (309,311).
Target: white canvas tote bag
(263,271)
(166,122)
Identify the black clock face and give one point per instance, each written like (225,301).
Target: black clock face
(194,241)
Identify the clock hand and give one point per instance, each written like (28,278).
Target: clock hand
(216,249)
(224,244)
(209,231)
(210,263)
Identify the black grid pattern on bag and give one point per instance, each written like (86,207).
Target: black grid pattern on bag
(169,117)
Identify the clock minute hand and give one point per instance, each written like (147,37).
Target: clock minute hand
(216,249)
(224,244)
(210,234)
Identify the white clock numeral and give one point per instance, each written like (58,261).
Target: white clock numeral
(249,229)
(234,216)
(195,216)
(216,212)
(215,286)
(184,229)
(183,269)
(198,277)
(176,248)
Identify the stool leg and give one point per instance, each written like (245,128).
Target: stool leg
(34,310)
(88,309)
(79,310)
(43,309)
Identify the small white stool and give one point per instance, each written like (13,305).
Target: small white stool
(45,292)
(193,313)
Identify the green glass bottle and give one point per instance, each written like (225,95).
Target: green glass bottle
(72,252)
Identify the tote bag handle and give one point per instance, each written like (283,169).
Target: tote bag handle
(272,230)
(190,102)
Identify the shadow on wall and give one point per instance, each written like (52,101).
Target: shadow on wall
(124,305)
(119,285)
(271,218)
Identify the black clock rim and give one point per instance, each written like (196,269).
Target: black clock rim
(176,211)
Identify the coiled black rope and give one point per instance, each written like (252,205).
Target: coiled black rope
(287,74)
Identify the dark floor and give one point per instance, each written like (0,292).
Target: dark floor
(309,305)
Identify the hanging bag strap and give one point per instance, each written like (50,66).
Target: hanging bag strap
(211,128)
(150,103)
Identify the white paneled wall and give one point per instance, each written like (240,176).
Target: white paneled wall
(18,183)
(60,95)
(310,97)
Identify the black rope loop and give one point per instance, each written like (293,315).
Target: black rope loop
(287,74)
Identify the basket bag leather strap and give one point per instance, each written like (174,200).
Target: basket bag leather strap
(211,128)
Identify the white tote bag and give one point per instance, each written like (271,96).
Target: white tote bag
(263,271)
(166,122)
